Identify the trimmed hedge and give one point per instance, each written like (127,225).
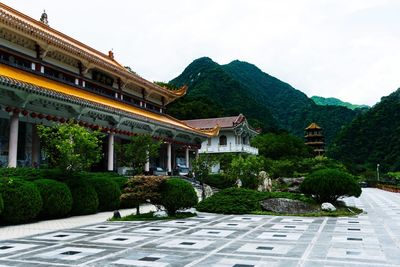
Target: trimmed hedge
(56,197)
(232,201)
(22,201)
(177,194)
(85,200)
(219,180)
(327,185)
(108,193)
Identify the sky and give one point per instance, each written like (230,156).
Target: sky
(348,49)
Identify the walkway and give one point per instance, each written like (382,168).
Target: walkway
(371,239)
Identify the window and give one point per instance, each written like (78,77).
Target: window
(209,142)
(222,140)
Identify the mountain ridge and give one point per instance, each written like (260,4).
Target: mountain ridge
(239,87)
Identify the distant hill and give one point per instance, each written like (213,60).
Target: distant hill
(240,87)
(331,101)
(373,137)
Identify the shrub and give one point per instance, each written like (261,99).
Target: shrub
(327,185)
(121,181)
(22,201)
(220,180)
(141,188)
(177,194)
(108,193)
(56,197)
(85,200)
(232,201)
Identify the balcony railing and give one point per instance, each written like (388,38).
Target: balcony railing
(229,148)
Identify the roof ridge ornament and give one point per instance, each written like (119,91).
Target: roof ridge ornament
(44,18)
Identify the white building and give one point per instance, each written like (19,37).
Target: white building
(234,135)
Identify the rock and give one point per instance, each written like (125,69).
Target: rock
(291,181)
(327,207)
(285,205)
(160,214)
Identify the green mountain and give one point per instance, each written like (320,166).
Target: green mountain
(239,87)
(373,137)
(331,101)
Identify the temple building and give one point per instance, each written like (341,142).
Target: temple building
(315,139)
(234,136)
(47,77)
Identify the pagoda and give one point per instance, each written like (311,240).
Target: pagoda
(315,139)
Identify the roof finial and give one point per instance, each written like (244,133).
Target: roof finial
(111,54)
(43,18)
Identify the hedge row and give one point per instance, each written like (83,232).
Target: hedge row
(32,198)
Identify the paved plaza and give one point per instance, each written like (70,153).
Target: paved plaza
(371,239)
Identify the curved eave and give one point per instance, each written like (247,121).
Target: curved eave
(96,100)
(42,33)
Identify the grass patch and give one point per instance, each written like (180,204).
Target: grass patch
(149,216)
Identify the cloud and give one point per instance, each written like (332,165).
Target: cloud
(333,48)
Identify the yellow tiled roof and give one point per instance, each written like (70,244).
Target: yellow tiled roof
(75,92)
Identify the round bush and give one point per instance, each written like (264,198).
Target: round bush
(327,185)
(56,197)
(85,200)
(22,201)
(108,193)
(177,194)
(232,201)
(121,181)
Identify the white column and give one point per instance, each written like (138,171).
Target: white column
(35,147)
(187,156)
(169,157)
(13,141)
(147,165)
(110,159)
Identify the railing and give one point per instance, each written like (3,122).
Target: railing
(229,148)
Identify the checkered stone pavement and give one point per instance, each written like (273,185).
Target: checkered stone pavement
(370,239)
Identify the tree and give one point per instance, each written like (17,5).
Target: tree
(246,169)
(70,147)
(141,189)
(281,146)
(137,152)
(201,169)
(327,185)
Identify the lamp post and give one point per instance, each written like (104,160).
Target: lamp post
(377,171)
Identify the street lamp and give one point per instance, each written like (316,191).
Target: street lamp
(377,171)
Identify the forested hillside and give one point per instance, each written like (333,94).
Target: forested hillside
(331,101)
(372,138)
(239,87)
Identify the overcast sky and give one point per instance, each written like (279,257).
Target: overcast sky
(349,49)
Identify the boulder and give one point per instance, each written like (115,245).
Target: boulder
(327,207)
(287,206)
(160,214)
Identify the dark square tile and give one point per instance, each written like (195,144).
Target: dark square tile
(354,229)
(60,235)
(155,229)
(5,247)
(277,235)
(70,252)
(149,259)
(120,239)
(187,243)
(243,265)
(354,239)
(213,232)
(265,248)
(290,226)
(353,252)
(232,224)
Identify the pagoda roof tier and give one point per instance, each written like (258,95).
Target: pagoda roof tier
(313,126)
(41,85)
(52,39)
